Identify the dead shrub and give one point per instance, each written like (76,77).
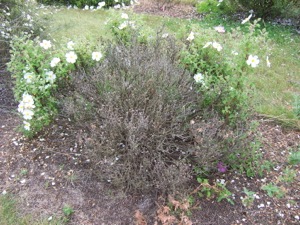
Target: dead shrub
(136,108)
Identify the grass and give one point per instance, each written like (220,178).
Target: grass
(10,216)
(275,87)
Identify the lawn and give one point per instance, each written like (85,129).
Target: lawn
(276,89)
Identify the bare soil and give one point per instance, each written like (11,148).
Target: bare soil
(52,170)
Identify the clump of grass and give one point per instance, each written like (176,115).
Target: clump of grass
(9,214)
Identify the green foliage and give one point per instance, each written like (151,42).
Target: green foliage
(269,8)
(288,176)
(249,199)
(224,84)
(9,214)
(37,77)
(218,190)
(68,211)
(83,3)
(17,18)
(294,158)
(273,190)
(214,7)
(296,105)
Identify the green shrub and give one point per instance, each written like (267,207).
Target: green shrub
(38,69)
(17,18)
(269,8)
(223,71)
(214,6)
(83,3)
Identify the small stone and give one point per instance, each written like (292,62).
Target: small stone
(288,205)
(297,217)
(23,181)
(50,218)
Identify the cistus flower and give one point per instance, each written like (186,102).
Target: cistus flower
(96,56)
(123,25)
(253,61)
(50,76)
(217,46)
(100,5)
(70,45)
(54,62)
(28,77)
(220,29)
(28,114)
(45,44)
(124,16)
(199,78)
(191,36)
(221,167)
(28,101)
(214,44)
(26,125)
(71,57)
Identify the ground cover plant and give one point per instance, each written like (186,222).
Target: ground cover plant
(148,110)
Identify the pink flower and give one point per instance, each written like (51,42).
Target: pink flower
(221,167)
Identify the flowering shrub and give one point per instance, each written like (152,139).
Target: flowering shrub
(38,68)
(224,71)
(17,18)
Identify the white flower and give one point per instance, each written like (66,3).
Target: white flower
(54,62)
(207,44)
(117,6)
(234,52)
(28,77)
(191,36)
(123,25)
(132,24)
(252,61)
(26,125)
(96,56)
(21,107)
(268,62)
(199,78)
(247,19)
(220,29)
(71,57)
(45,44)
(91,7)
(124,16)
(86,7)
(70,45)
(50,76)
(217,46)
(28,114)
(165,35)
(28,101)
(100,5)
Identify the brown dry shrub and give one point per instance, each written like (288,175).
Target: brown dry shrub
(136,107)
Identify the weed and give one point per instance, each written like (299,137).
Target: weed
(249,199)
(217,189)
(23,172)
(288,176)
(68,210)
(294,158)
(273,190)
